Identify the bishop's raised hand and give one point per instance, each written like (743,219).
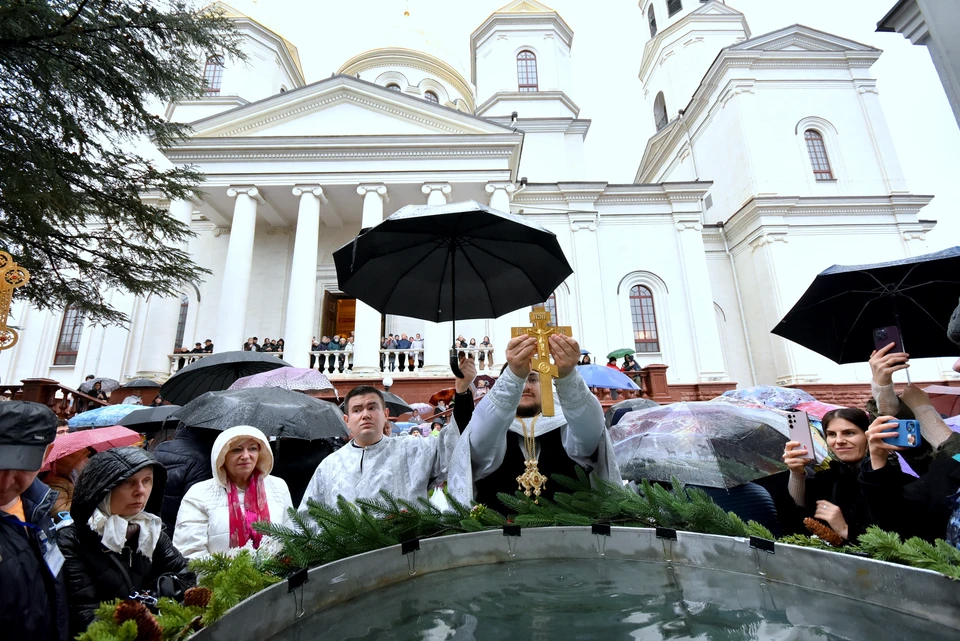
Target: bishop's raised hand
(566,353)
(520,350)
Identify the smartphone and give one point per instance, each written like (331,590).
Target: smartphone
(908,434)
(883,336)
(799,429)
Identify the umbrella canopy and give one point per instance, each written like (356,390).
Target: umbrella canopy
(394,403)
(216,373)
(288,378)
(452,262)
(422,408)
(102,416)
(700,443)
(141,382)
(445,395)
(606,377)
(100,439)
(148,419)
(275,412)
(837,314)
(945,399)
(620,353)
(616,411)
(782,398)
(106,385)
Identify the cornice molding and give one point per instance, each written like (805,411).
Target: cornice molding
(527,96)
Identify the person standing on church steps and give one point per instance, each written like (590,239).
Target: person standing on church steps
(492,451)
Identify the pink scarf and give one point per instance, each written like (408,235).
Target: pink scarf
(254,509)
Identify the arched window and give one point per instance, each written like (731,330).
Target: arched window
(645,338)
(68,343)
(818,155)
(551,306)
(674,6)
(652,19)
(182,321)
(430,96)
(527,71)
(660,111)
(212,75)
(393,87)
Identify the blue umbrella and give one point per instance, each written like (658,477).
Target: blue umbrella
(103,416)
(606,377)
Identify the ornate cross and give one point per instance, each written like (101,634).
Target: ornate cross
(12,276)
(540,319)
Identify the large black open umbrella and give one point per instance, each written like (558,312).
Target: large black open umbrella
(274,411)
(149,419)
(837,315)
(394,403)
(452,262)
(216,373)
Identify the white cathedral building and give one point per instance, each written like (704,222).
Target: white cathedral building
(771,161)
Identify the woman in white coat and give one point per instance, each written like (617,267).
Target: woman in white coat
(218,514)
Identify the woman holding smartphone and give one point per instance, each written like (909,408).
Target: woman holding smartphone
(834,495)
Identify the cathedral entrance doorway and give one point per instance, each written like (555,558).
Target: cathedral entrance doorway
(338,314)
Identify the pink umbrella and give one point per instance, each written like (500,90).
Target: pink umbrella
(297,379)
(945,399)
(423,408)
(100,439)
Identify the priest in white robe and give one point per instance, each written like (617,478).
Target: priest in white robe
(492,451)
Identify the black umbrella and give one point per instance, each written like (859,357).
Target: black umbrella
(216,373)
(394,403)
(452,262)
(141,382)
(274,411)
(837,315)
(149,419)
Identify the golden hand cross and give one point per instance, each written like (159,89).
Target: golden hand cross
(541,330)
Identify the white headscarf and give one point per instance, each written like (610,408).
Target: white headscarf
(112,528)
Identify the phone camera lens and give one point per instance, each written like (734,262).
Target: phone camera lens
(881,334)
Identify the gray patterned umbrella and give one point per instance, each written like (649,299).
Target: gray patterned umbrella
(274,411)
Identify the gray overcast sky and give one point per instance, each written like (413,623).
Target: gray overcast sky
(607,48)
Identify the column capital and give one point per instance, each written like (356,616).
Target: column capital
(508,187)
(442,187)
(379,188)
(253,192)
(687,221)
(316,190)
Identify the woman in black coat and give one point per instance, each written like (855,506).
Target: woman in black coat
(834,495)
(116,546)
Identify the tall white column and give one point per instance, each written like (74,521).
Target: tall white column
(366,350)
(437,337)
(301,302)
(500,195)
(699,293)
(162,316)
(235,288)
(586,266)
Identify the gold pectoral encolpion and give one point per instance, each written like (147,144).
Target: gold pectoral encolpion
(531,481)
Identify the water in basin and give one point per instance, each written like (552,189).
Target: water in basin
(604,600)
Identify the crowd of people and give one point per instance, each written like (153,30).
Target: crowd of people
(340,361)
(123,523)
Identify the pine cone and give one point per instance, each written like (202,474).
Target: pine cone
(823,532)
(197,596)
(147,627)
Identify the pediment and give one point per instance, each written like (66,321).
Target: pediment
(342,106)
(525,6)
(800,38)
(715,9)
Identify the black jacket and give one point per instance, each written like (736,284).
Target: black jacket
(921,507)
(95,574)
(33,603)
(840,485)
(187,461)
